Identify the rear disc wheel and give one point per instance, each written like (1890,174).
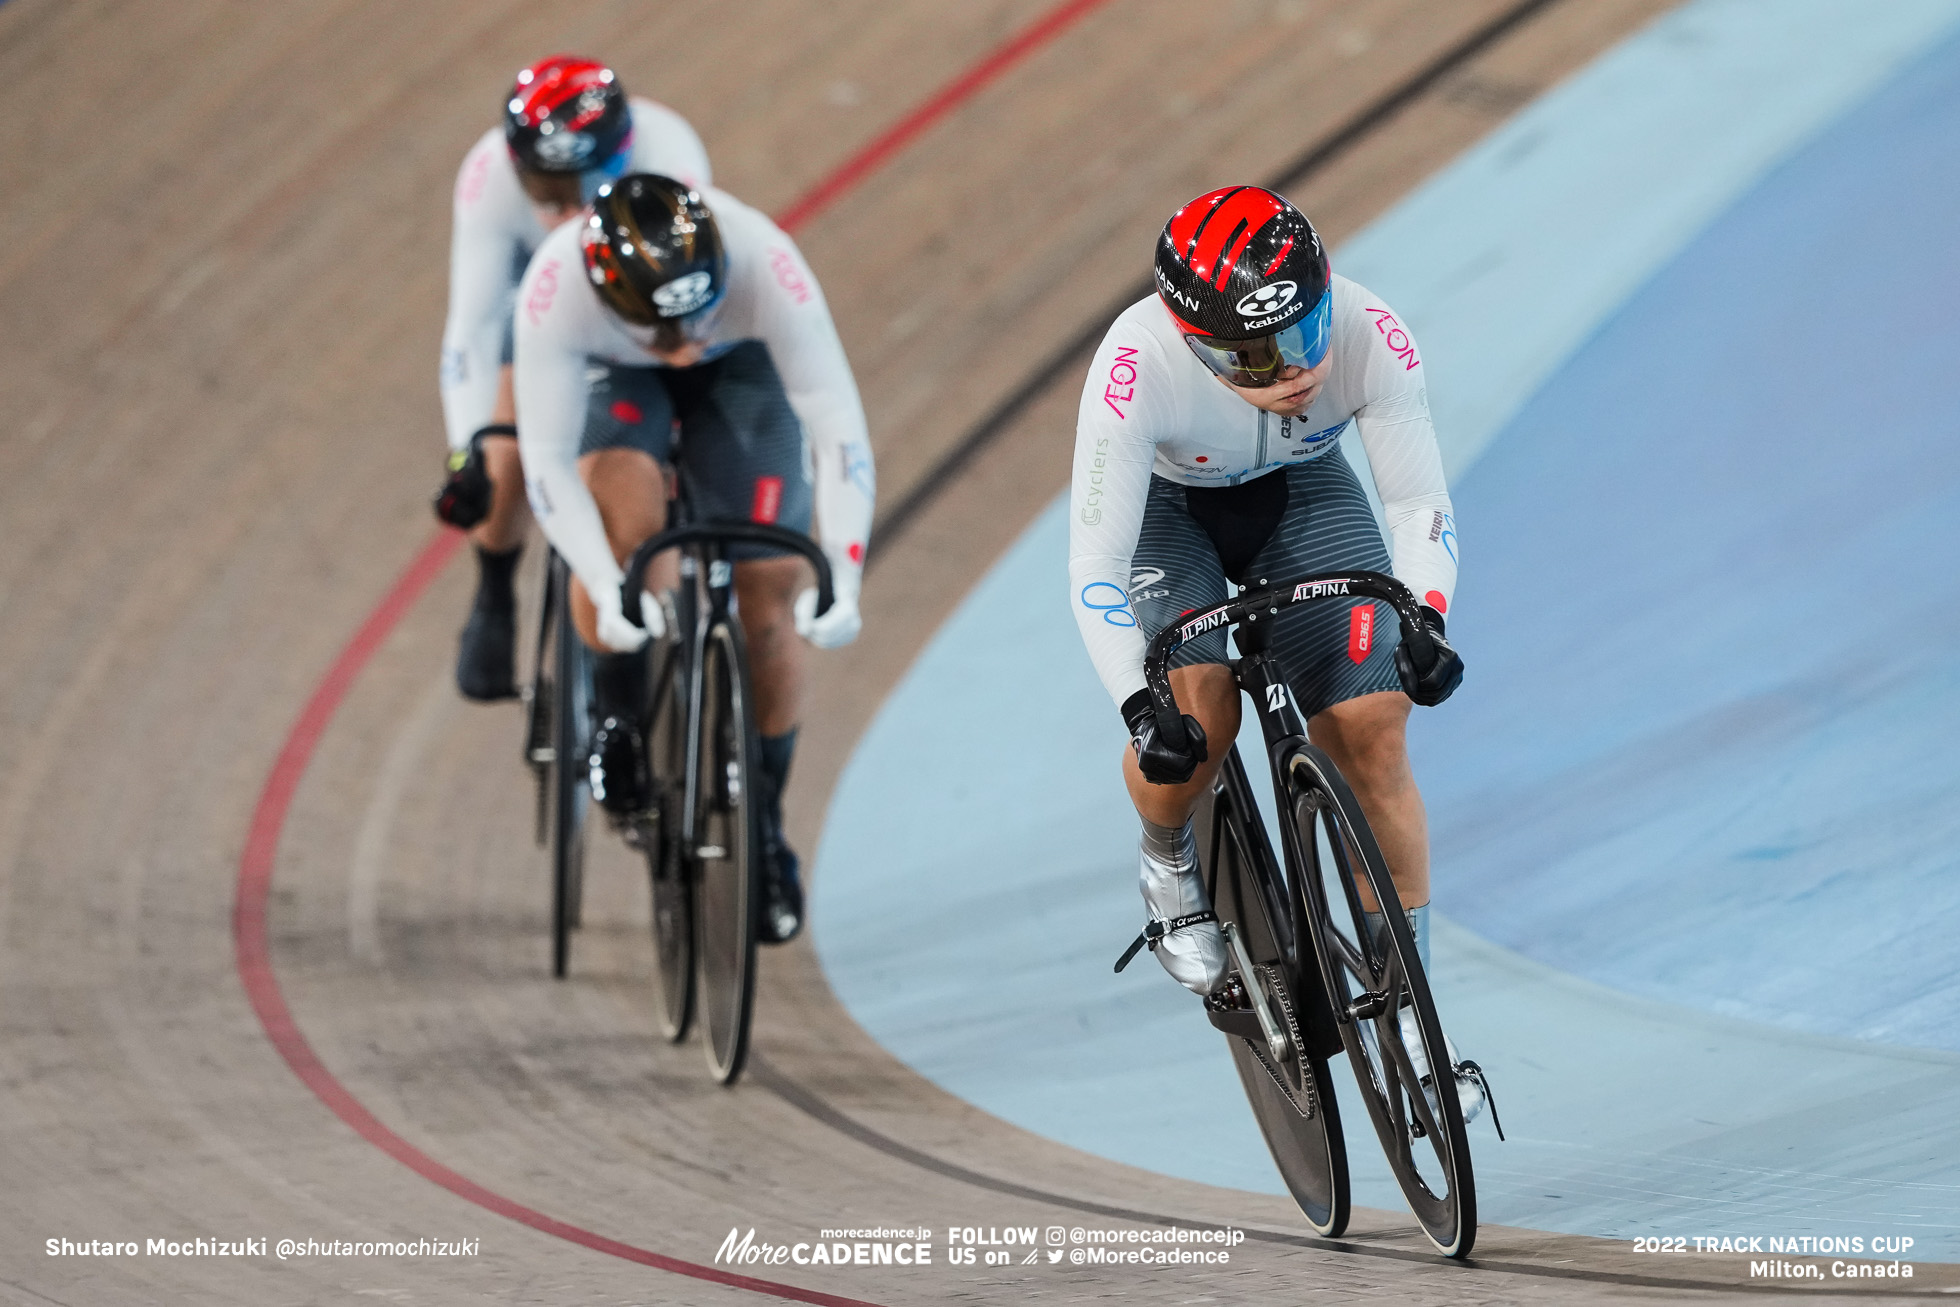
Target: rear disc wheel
(1291,1097)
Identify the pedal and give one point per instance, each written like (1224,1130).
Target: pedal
(1367,1005)
(1230,997)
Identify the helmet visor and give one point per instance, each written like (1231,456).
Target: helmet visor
(608,171)
(1259,362)
(669,334)
(573,190)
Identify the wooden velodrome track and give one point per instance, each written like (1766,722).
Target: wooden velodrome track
(223,250)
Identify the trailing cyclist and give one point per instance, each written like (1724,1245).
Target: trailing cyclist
(1208,450)
(568,129)
(674,310)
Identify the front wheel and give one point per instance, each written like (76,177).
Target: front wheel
(1373,975)
(571,719)
(662,839)
(727,852)
(1292,1097)
(540,699)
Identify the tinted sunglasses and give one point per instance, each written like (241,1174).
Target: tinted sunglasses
(1257,363)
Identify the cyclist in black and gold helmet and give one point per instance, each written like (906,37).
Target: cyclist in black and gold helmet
(675,311)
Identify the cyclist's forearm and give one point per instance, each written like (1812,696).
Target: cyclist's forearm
(1099,598)
(1422,536)
(804,345)
(845,476)
(480,282)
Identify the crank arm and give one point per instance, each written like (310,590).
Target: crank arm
(1277,1043)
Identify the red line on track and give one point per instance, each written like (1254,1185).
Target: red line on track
(962,88)
(256,862)
(255,867)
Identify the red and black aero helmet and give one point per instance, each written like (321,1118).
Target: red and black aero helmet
(653,251)
(566,114)
(1242,265)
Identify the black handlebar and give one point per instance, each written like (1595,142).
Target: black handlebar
(1249,606)
(755,533)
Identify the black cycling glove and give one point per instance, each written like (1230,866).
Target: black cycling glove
(1161,764)
(1438,676)
(464,499)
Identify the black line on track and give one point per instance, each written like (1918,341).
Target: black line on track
(948,469)
(766,1076)
(1304,165)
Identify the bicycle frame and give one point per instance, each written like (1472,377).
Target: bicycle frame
(707,571)
(1370,978)
(706,894)
(1259,676)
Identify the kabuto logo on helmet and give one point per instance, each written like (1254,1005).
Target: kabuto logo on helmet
(1268,299)
(566,150)
(1239,262)
(683,295)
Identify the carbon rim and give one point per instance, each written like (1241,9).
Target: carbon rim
(1425,1141)
(727,846)
(571,786)
(673,916)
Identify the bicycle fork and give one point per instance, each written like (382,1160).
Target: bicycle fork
(1259,676)
(720,578)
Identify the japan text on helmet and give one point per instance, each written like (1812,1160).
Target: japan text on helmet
(653,251)
(566,115)
(1242,266)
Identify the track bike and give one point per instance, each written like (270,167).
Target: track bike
(1322,958)
(557,737)
(702,832)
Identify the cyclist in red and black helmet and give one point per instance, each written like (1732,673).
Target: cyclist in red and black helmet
(568,129)
(1209,452)
(1247,281)
(567,118)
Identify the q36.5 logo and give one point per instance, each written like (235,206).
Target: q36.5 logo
(565,148)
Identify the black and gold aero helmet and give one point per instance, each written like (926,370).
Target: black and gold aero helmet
(653,251)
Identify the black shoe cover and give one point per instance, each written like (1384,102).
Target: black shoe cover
(486,663)
(619,768)
(782,893)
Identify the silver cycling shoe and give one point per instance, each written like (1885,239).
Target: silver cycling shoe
(1471,1092)
(1183,931)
